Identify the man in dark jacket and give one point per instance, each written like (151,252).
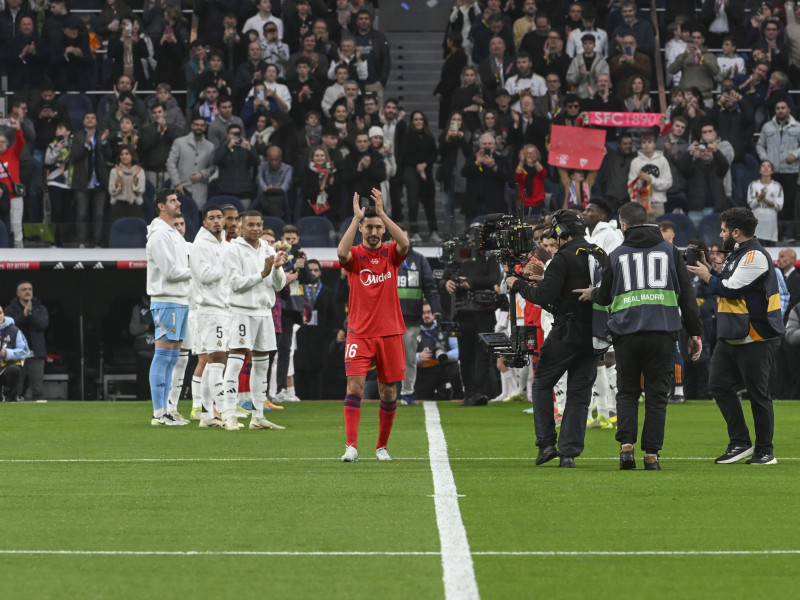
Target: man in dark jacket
(71,58)
(364,168)
(236,161)
(414,280)
(26,57)
(89,178)
(568,348)
(735,118)
(615,168)
(373,47)
(648,288)
(155,143)
(704,167)
(32,318)
(487,174)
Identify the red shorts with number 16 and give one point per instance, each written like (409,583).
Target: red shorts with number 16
(388,353)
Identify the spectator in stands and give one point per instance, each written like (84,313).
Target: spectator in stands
(110,102)
(792,40)
(249,73)
(110,23)
(164,97)
(190,162)
(465,14)
(10,20)
(278,95)
(357,69)
(526,128)
(502,108)
(153,17)
(554,59)
(155,144)
(450,79)
(638,101)
(490,125)
(387,153)
(776,91)
(752,87)
(127,51)
(603,101)
(18,111)
(364,169)
(373,48)
(236,161)
(529,177)
(734,117)
(112,120)
(704,167)
(525,82)
(487,174)
(10,152)
(273,50)
(306,92)
(297,24)
(641,31)
(470,97)
(256,106)
(211,18)
(274,178)
(47,114)
(709,136)
(371,115)
(698,66)
(317,181)
(218,129)
(340,120)
(71,60)
(285,136)
(311,131)
(25,57)
(89,179)
(674,146)
(394,131)
(126,184)
(765,199)
(59,174)
(625,65)
(525,23)
(260,19)
(616,167)
(675,47)
(649,177)
(54,21)
(779,143)
(325,46)
(786,263)
(723,19)
(551,103)
(417,157)
(216,75)
(336,90)
(730,63)
(209,108)
(484,32)
(585,68)
(318,63)
(534,41)
(588,26)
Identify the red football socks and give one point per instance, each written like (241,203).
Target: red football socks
(385,420)
(352,415)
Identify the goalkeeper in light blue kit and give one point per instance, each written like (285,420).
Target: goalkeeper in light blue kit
(168,285)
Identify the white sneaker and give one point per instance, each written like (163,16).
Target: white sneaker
(156,421)
(262,423)
(434,238)
(179,417)
(231,424)
(351,454)
(211,423)
(196,414)
(286,396)
(172,421)
(382,454)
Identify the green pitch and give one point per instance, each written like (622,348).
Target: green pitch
(96,503)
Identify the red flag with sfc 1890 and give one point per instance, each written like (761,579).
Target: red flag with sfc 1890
(576,147)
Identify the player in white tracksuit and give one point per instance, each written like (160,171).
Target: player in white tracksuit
(255,273)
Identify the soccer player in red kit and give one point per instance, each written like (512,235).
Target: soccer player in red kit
(375,325)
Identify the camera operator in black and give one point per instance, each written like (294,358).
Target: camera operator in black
(749,327)
(475,300)
(436,356)
(568,348)
(649,290)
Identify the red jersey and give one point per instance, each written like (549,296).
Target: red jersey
(374,301)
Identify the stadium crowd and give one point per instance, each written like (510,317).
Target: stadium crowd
(285,112)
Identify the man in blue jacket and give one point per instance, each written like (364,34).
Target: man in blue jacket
(13,350)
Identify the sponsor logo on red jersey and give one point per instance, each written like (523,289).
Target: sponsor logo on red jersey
(367,277)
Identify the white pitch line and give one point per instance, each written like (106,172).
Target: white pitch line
(346,553)
(458,571)
(323,459)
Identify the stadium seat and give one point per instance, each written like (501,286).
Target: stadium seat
(221,199)
(192,216)
(316,232)
(684,227)
(275,223)
(4,241)
(128,232)
(343,228)
(77,106)
(708,231)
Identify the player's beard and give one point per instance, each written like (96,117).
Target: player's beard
(373,241)
(729,244)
